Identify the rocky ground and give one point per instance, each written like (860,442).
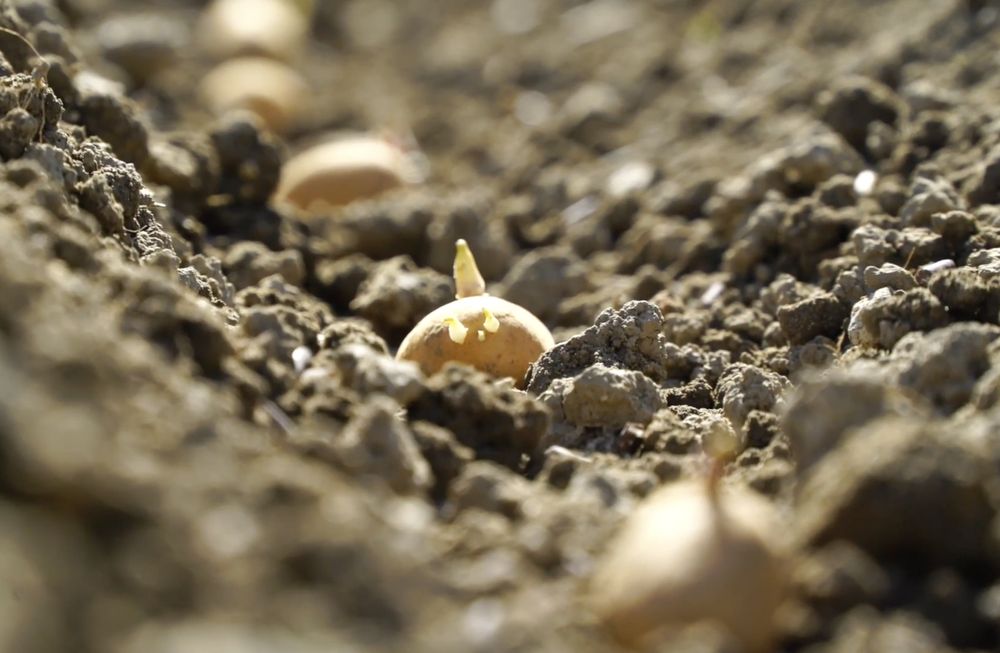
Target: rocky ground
(782,214)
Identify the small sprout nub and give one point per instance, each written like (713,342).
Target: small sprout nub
(490,322)
(456,330)
(722,444)
(468,281)
(481,335)
(721,441)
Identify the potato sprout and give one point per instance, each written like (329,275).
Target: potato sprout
(692,552)
(486,332)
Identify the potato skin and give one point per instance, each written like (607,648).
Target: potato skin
(270,89)
(270,28)
(519,341)
(338,172)
(683,558)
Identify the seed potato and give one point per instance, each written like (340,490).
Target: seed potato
(268,88)
(341,171)
(517,340)
(689,555)
(489,333)
(270,28)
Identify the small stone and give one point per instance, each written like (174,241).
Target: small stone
(839,576)
(249,157)
(954,226)
(633,177)
(984,186)
(445,455)
(864,182)
(850,285)
(142,44)
(542,277)
(490,488)
(344,331)
(666,432)
(864,629)
(838,192)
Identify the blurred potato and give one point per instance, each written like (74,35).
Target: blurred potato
(343,170)
(270,28)
(685,557)
(268,88)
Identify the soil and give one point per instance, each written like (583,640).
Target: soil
(781,215)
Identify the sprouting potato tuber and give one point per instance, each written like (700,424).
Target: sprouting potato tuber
(690,553)
(268,88)
(343,170)
(491,334)
(271,28)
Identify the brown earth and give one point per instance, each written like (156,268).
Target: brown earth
(205,444)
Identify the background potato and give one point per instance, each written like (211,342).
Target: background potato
(268,88)
(272,28)
(341,171)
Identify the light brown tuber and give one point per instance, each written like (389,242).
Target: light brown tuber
(694,552)
(269,28)
(489,333)
(344,170)
(268,88)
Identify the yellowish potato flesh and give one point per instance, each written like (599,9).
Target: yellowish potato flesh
(518,341)
(683,558)
(342,171)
